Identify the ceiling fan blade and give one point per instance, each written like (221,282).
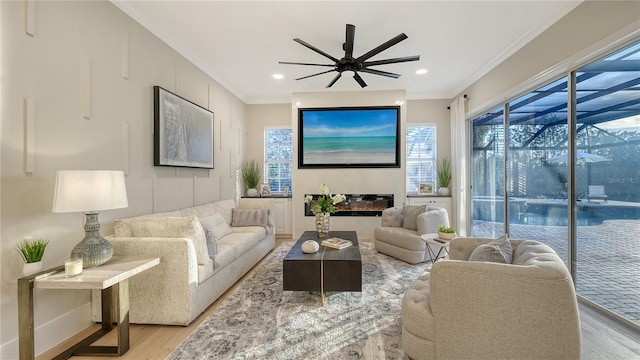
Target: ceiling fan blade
(320,73)
(379,72)
(350,35)
(383,47)
(392,61)
(359,79)
(334,80)
(298,63)
(311,47)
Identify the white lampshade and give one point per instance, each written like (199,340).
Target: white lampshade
(89,191)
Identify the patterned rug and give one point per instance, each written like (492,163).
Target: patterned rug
(260,321)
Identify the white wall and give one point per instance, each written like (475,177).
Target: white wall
(47,68)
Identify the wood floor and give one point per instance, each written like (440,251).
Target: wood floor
(602,338)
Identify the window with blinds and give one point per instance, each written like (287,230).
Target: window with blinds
(420,156)
(278,148)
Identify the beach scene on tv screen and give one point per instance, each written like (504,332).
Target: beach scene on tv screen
(363,136)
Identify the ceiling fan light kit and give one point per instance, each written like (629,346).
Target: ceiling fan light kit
(348,64)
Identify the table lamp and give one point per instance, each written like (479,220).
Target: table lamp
(89,191)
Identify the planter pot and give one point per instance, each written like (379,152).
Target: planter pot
(443,191)
(252,192)
(31,268)
(446,236)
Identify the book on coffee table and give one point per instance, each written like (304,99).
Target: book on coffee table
(336,243)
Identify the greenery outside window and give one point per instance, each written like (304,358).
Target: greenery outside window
(278,148)
(421,156)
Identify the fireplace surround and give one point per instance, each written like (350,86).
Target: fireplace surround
(358,205)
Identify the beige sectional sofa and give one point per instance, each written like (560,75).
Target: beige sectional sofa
(200,256)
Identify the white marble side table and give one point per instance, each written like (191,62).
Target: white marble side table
(443,251)
(112,278)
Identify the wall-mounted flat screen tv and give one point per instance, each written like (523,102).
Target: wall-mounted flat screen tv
(360,137)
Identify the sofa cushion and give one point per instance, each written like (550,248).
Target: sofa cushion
(498,251)
(250,217)
(212,246)
(392,217)
(217,224)
(429,222)
(225,207)
(410,215)
(234,245)
(123,226)
(175,227)
(401,237)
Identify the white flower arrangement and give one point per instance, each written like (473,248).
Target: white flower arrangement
(326,201)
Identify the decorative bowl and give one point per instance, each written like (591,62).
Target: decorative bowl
(446,236)
(310,246)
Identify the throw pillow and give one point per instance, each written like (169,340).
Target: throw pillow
(175,227)
(410,214)
(250,217)
(429,222)
(212,245)
(498,251)
(217,224)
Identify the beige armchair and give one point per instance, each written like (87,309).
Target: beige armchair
(401,230)
(481,310)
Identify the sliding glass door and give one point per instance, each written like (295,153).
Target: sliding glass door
(488,174)
(570,179)
(607,166)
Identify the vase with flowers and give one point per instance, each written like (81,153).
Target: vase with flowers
(323,207)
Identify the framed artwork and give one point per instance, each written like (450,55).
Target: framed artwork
(425,188)
(349,137)
(182,132)
(265,190)
(286,191)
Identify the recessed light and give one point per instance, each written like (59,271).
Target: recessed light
(278,76)
(422,71)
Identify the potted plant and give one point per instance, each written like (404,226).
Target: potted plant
(32,251)
(251,174)
(446,233)
(443,169)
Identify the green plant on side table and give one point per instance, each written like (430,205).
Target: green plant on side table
(251,174)
(446,233)
(32,251)
(443,168)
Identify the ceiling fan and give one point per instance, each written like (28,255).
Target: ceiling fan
(359,64)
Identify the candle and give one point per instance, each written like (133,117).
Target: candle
(73,267)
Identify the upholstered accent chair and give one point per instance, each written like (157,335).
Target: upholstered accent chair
(401,230)
(464,309)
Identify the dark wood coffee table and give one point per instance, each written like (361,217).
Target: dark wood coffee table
(326,270)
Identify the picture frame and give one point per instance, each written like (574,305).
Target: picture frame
(286,191)
(182,131)
(265,190)
(349,137)
(425,188)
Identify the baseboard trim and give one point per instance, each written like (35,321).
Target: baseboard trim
(53,332)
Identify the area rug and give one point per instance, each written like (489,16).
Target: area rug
(260,321)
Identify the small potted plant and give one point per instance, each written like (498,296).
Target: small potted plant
(443,168)
(251,174)
(32,251)
(446,233)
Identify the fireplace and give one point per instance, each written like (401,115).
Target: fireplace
(358,205)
